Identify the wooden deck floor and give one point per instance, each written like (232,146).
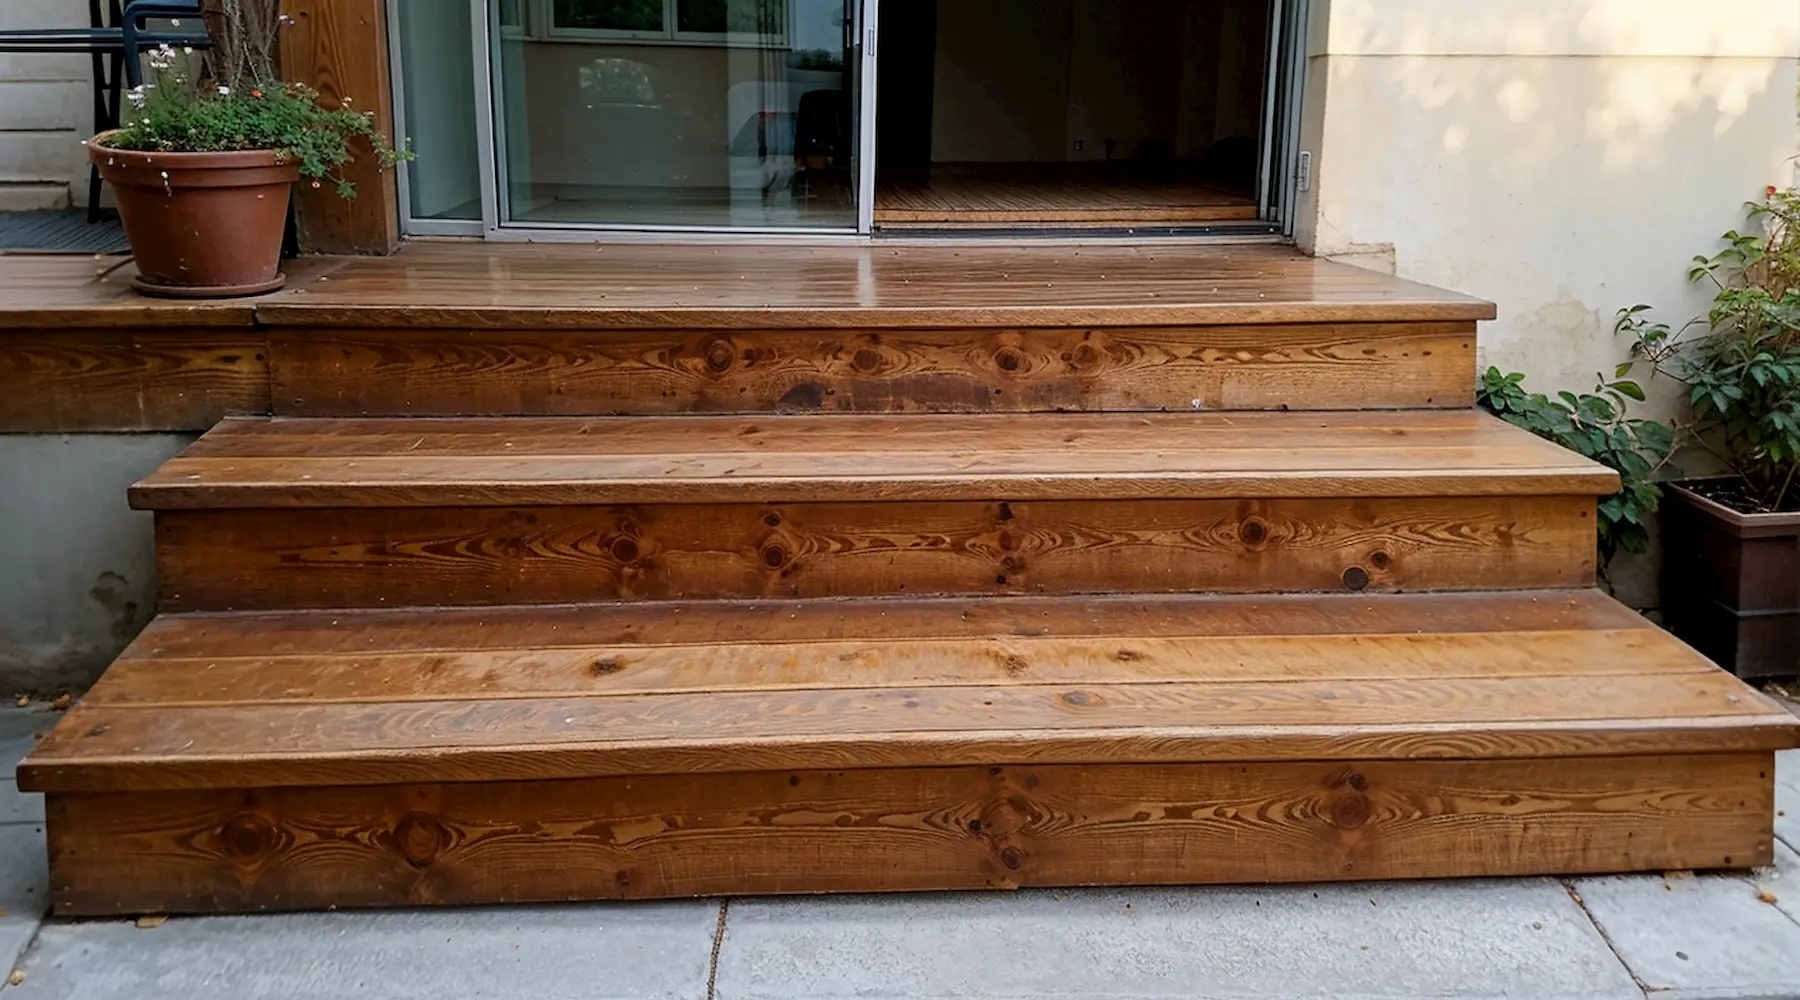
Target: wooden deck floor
(946,285)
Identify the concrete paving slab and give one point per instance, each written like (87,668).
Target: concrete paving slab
(17,806)
(1707,936)
(1494,938)
(24,887)
(1787,797)
(1784,882)
(612,952)
(19,732)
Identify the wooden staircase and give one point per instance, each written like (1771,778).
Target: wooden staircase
(512,605)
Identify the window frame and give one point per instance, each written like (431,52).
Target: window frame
(543,26)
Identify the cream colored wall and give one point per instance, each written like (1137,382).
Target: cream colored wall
(1563,158)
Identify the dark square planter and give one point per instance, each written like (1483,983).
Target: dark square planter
(1731,583)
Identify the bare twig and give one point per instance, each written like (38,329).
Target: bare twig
(245,48)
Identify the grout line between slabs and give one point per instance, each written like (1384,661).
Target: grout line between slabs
(18,960)
(718,944)
(1580,904)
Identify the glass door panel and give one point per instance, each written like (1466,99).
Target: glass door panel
(710,114)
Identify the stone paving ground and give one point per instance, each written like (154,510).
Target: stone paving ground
(1677,938)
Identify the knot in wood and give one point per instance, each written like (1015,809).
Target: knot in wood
(1349,809)
(719,356)
(774,556)
(247,835)
(607,665)
(1380,560)
(1356,578)
(1012,857)
(419,839)
(1254,532)
(625,549)
(867,360)
(1083,699)
(1008,359)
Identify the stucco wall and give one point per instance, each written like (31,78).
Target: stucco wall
(1563,158)
(77,574)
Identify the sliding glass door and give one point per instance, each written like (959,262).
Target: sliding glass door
(759,116)
(705,114)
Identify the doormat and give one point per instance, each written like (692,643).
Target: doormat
(61,232)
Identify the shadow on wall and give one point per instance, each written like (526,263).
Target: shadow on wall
(1561,158)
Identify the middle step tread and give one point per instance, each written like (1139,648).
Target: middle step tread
(359,698)
(275,463)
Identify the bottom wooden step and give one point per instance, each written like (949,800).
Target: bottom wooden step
(1000,826)
(308,760)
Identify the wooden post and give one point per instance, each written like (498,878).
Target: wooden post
(340,47)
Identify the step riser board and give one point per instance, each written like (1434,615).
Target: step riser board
(410,557)
(337,372)
(902,830)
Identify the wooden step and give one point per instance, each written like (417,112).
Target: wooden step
(266,514)
(447,330)
(315,759)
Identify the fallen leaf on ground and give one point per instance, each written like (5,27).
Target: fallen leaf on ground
(62,702)
(152,920)
(1765,896)
(1670,878)
(24,701)
(17,977)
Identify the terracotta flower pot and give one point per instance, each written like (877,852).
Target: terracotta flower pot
(201,225)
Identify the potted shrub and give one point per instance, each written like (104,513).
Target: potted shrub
(203,174)
(1731,579)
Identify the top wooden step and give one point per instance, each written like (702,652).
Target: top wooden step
(261,463)
(913,286)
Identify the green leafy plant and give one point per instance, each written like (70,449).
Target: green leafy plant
(1741,361)
(169,113)
(1598,425)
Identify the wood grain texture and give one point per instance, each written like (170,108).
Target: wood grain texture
(402,462)
(957,286)
(391,371)
(656,624)
(994,827)
(515,652)
(119,380)
(71,292)
(340,48)
(432,695)
(107,747)
(1066,194)
(415,557)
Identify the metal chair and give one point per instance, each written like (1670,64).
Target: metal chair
(116,49)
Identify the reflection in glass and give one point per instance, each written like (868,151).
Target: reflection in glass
(702,113)
(438,84)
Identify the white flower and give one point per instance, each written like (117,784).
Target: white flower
(224,91)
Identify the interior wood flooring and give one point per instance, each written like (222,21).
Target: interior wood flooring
(1102,195)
